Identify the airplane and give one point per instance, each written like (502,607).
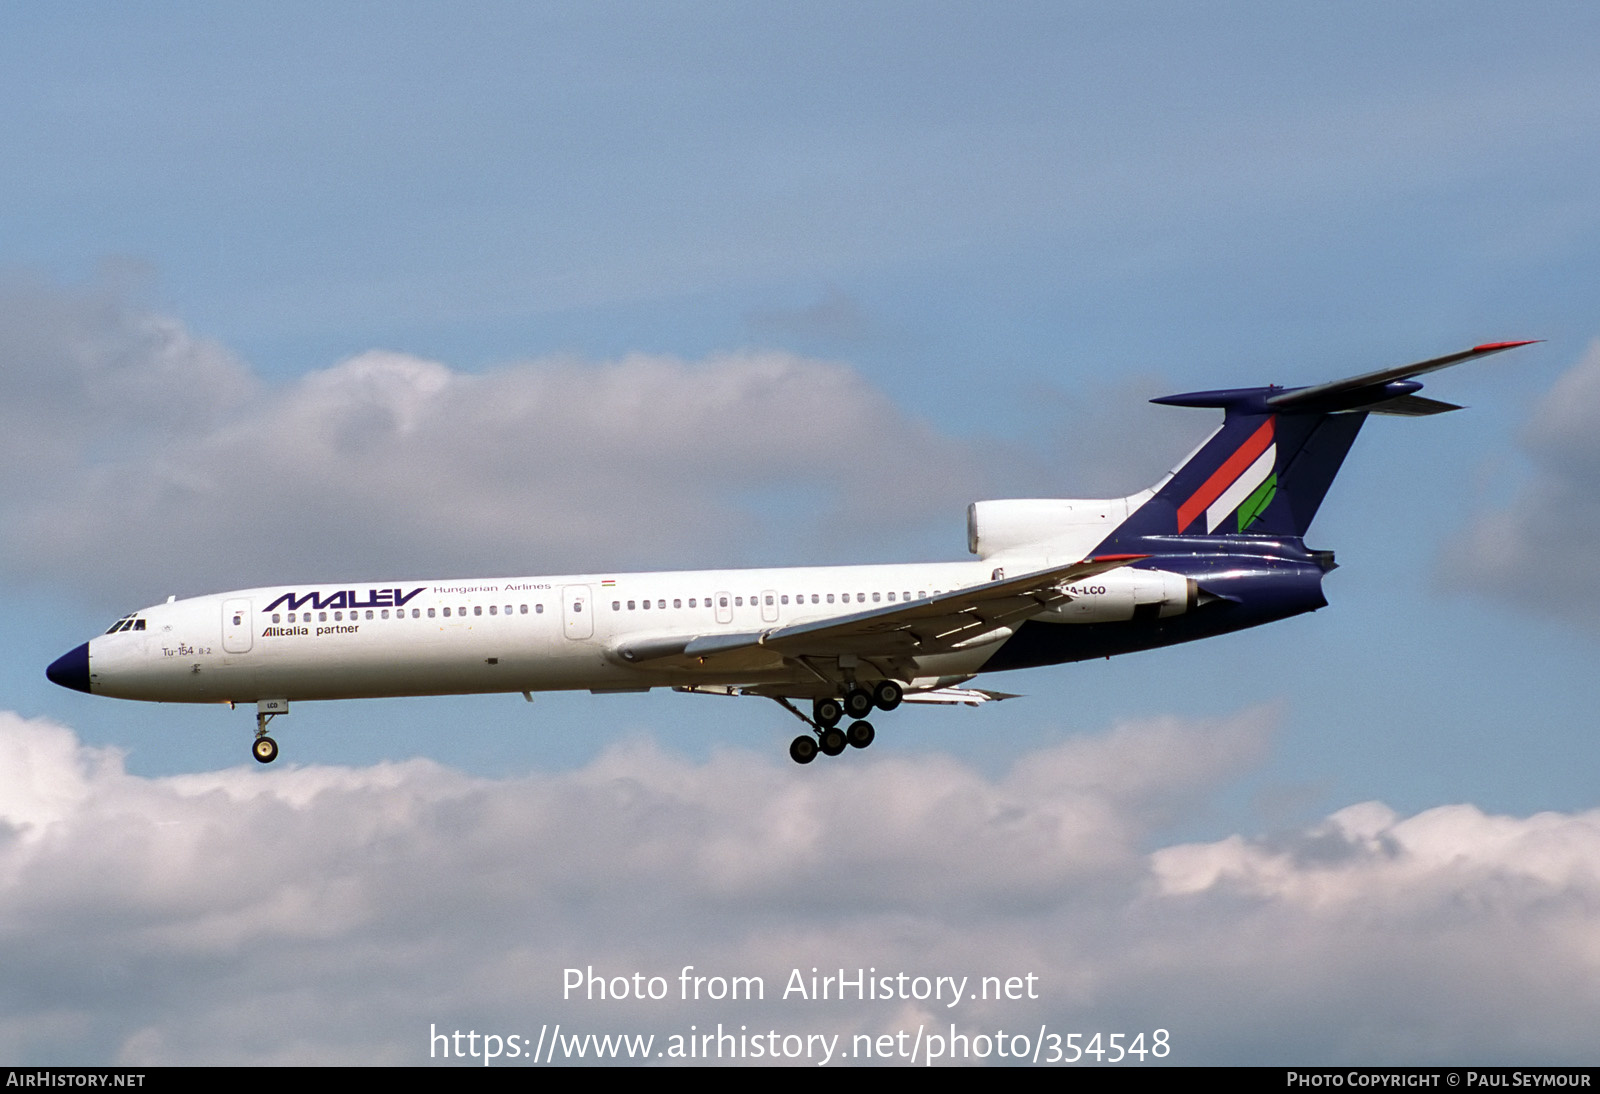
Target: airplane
(1213,547)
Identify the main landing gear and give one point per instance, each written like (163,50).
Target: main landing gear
(828,712)
(831,741)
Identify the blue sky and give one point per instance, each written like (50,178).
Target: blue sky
(671,287)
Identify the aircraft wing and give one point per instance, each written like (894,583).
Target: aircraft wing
(966,697)
(933,624)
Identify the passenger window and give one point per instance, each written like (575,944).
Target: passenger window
(492,610)
(874,598)
(274,617)
(237,619)
(676,603)
(645,604)
(538,609)
(369,613)
(830,598)
(447,613)
(430,612)
(322,617)
(477,609)
(385,613)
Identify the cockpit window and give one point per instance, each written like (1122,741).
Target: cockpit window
(126,623)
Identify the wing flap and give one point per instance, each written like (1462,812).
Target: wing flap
(967,697)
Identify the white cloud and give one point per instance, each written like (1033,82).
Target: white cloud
(1542,548)
(332,914)
(141,454)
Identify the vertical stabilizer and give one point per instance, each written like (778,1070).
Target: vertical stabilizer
(1266,471)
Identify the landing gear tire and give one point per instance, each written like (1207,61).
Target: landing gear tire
(803,749)
(887,695)
(833,741)
(827,712)
(265,750)
(860,734)
(857,703)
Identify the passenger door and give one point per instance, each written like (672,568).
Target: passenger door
(237,627)
(577,611)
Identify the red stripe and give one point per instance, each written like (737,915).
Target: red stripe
(1224,476)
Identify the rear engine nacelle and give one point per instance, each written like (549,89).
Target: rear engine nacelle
(1126,594)
(1068,525)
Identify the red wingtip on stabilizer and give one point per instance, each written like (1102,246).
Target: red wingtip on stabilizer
(1487,346)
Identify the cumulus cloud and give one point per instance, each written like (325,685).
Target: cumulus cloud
(1543,547)
(335,914)
(140,450)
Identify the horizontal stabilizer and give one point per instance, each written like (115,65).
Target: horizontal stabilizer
(1384,391)
(1360,392)
(1411,406)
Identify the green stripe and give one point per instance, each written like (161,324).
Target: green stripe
(1257,502)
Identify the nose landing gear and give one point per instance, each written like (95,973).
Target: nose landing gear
(265,749)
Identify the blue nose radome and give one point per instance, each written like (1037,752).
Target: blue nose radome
(71,670)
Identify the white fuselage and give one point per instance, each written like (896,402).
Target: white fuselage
(363,639)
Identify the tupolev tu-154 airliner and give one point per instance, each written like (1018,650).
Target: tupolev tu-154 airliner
(1215,546)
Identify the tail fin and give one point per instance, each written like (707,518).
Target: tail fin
(1266,471)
